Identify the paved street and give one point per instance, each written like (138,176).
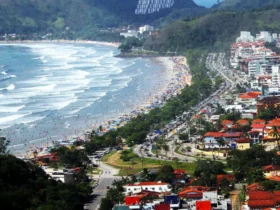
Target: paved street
(106,179)
(214,62)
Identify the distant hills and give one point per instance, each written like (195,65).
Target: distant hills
(245,4)
(29,16)
(214,31)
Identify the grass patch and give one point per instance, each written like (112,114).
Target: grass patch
(134,166)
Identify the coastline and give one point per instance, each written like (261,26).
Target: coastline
(62,41)
(176,76)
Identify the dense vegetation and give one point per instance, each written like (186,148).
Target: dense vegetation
(213,31)
(245,5)
(26,186)
(29,16)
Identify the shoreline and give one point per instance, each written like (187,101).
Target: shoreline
(176,76)
(63,41)
(176,69)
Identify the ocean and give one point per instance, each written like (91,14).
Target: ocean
(52,91)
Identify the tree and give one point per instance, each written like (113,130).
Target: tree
(165,147)
(35,189)
(276,134)
(4,145)
(166,174)
(254,175)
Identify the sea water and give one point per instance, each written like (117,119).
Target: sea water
(51,91)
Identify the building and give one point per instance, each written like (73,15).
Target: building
(64,176)
(248,98)
(261,200)
(276,75)
(145,28)
(243,143)
(271,170)
(264,36)
(129,33)
(245,36)
(138,187)
(269,102)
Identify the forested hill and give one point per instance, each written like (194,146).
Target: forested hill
(28,16)
(213,31)
(245,4)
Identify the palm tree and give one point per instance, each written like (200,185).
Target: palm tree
(165,147)
(276,134)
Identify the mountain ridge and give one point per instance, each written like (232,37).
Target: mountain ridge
(30,16)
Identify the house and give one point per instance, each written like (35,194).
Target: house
(248,98)
(261,200)
(64,176)
(48,158)
(242,122)
(160,187)
(227,123)
(193,192)
(271,170)
(211,139)
(243,143)
(254,187)
(269,102)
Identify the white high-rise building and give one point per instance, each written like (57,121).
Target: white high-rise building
(276,75)
(144,28)
(264,36)
(245,36)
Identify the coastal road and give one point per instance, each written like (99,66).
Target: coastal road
(105,179)
(215,62)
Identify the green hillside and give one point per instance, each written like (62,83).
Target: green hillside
(213,31)
(28,16)
(245,4)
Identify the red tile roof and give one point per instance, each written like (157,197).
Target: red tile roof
(258,121)
(243,122)
(191,193)
(260,195)
(274,178)
(250,95)
(214,134)
(232,134)
(229,177)
(254,187)
(243,140)
(147,183)
(258,125)
(179,171)
(271,168)
(261,203)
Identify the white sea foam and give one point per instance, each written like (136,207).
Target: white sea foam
(11,118)
(9,87)
(4,73)
(10,109)
(46,88)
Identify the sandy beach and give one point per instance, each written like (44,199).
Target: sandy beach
(177,77)
(62,41)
